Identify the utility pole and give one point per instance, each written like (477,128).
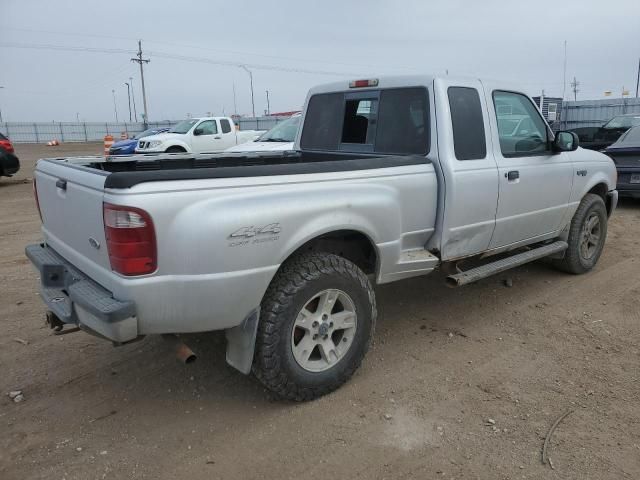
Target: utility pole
(638,79)
(253,107)
(235,107)
(78,117)
(1,109)
(129,97)
(574,86)
(115,107)
(133,100)
(564,72)
(268,107)
(140,61)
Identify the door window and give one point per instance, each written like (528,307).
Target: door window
(208,127)
(521,129)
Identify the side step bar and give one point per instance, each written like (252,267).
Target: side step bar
(498,266)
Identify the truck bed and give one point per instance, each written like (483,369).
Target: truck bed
(129,171)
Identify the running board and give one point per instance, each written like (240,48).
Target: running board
(478,273)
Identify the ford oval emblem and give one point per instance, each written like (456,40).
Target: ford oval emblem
(94,243)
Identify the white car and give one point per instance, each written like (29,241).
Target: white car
(197,135)
(279,138)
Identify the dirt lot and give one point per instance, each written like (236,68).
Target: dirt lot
(444,362)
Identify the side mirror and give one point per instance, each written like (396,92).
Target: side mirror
(565,142)
(198,131)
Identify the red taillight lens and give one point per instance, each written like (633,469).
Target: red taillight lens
(131,239)
(35,194)
(6,144)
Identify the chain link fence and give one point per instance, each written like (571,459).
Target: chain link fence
(35,132)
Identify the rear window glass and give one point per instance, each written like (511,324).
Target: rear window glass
(396,122)
(468,124)
(322,124)
(632,136)
(403,121)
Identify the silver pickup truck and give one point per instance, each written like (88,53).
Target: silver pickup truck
(391,178)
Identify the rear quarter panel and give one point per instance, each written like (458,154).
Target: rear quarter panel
(221,241)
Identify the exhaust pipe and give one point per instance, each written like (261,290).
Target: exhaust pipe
(183,353)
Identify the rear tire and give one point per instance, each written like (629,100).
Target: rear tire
(587,235)
(316,324)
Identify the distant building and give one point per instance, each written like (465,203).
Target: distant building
(551,108)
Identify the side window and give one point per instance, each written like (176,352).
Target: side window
(468,123)
(208,127)
(403,121)
(521,129)
(225,125)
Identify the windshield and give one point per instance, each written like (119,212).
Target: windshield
(282,132)
(184,126)
(626,121)
(146,133)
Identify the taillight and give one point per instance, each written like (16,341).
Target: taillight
(6,144)
(131,239)
(35,194)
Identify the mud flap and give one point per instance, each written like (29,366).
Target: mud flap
(241,342)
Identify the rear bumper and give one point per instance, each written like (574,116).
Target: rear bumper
(624,186)
(9,163)
(76,299)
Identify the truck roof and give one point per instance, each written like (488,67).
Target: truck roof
(395,81)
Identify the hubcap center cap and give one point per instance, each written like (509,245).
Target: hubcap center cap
(324,329)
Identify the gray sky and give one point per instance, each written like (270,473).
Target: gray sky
(511,40)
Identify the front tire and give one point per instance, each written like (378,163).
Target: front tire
(587,234)
(317,321)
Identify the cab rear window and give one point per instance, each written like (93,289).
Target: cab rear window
(393,121)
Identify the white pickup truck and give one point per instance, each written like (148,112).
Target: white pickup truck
(197,135)
(391,178)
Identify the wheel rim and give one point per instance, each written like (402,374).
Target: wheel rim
(323,331)
(590,236)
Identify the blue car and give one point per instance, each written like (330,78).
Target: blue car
(128,147)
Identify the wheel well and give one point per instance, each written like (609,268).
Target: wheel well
(176,148)
(601,190)
(350,244)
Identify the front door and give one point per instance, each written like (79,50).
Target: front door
(535,183)
(207,139)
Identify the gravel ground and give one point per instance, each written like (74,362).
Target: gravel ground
(460,383)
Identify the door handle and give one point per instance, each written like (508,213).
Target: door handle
(512,175)
(217,138)
(61,184)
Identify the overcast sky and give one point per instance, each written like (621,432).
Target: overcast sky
(302,43)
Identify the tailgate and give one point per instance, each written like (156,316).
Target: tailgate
(70,199)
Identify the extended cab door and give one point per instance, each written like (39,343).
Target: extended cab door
(469,191)
(535,183)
